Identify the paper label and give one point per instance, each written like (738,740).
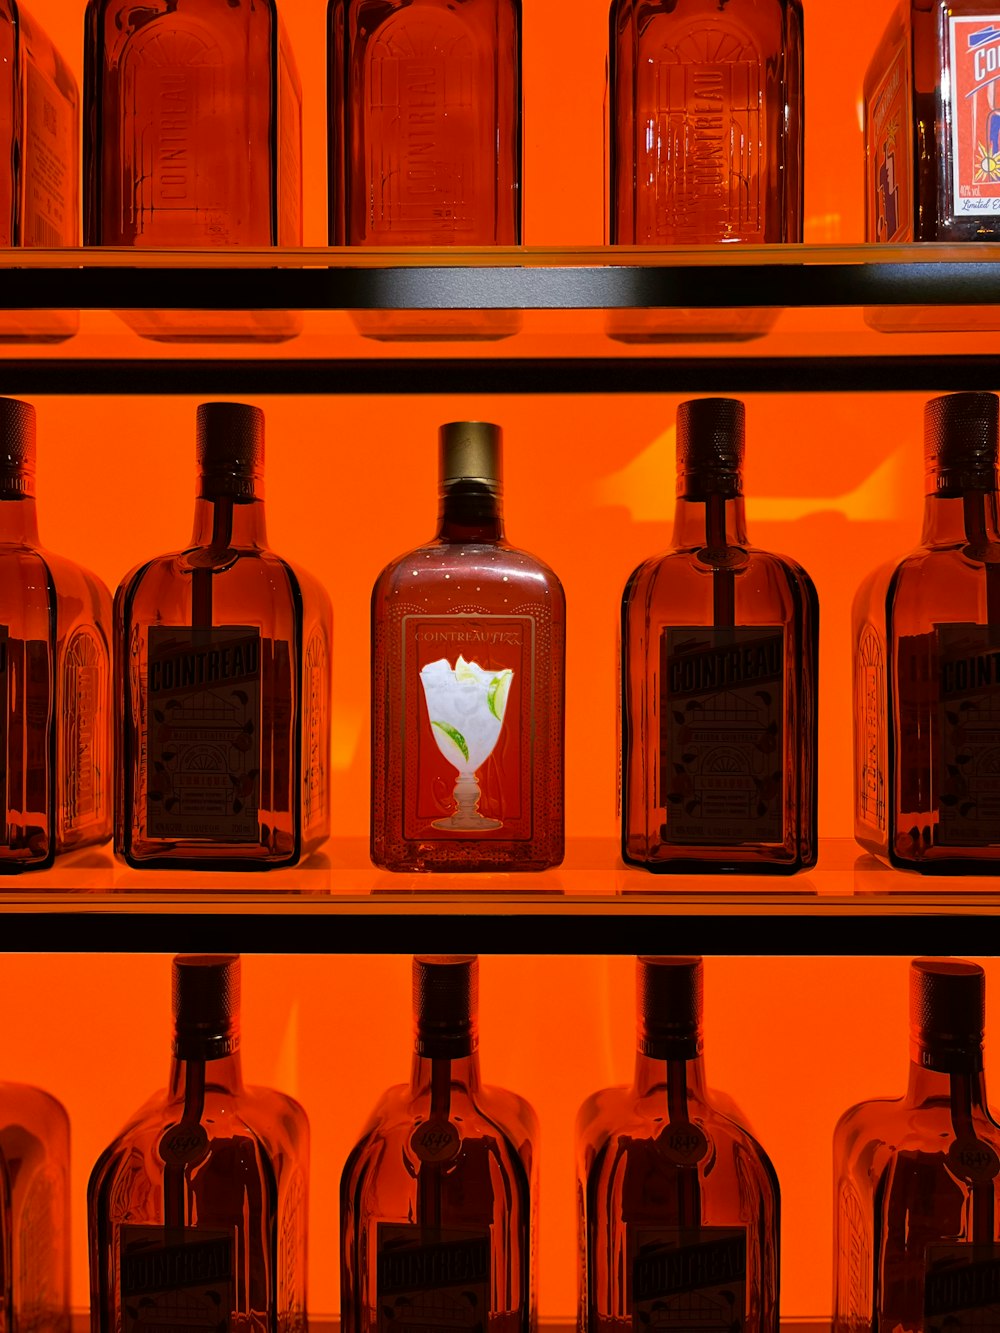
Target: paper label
(975,122)
(968,770)
(432,1280)
(890,172)
(315,731)
(690,1278)
(870,721)
(722,734)
(468,725)
(49,163)
(204,721)
(962,1288)
(177,1281)
(83,758)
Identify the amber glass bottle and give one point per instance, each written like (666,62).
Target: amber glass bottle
(223,653)
(55,676)
(468,649)
(171,90)
(705,137)
(719,679)
(916,1237)
(437,1199)
(197,1210)
(678,1204)
(926,633)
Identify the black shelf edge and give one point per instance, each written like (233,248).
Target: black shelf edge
(498,375)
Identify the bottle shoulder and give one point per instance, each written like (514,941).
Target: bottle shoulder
(487,562)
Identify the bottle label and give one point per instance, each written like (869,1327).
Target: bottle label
(962,1288)
(203,752)
(890,203)
(469,726)
(84,762)
(49,163)
(291,1255)
(177,1281)
(722,734)
(974,47)
(685,1278)
(40,1265)
(315,732)
(968,716)
(4,712)
(432,1280)
(871,723)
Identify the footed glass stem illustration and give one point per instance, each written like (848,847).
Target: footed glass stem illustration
(466,706)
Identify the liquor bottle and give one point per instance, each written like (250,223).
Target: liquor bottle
(425,139)
(197,1210)
(719,679)
(171,90)
(223,653)
(34,1211)
(704,139)
(39,193)
(916,1242)
(55,676)
(925,632)
(679,1205)
(438,1197)
(468,650)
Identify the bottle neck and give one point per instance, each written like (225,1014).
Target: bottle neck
(188,1075)
(714,521)
(18,520)
(678,1080)
(968,519)
(470,512)
(222,522)
(438,1077)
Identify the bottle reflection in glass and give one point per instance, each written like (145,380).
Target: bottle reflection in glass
(55,676)
(468,650)
(425,139)
(197,1210)
(916,1242)
(925,631)
(437,1199)
(678,1204)
(194,140)
(705,140)
(719,678)
(223,654)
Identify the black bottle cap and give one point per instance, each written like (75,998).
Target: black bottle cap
(230,449)
(947,1012)
(960,443)
(446,1005)
(669,1001)
(206,1005)
(17,448)
(710,445)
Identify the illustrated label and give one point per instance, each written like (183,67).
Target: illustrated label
(468,726)
(871,722)
(685,1278)
(315,730)
(975,122)
(48,162)
(431,1279)
(83,758)
(722,734)
(962,1288)
(39,1268)
(890,174)
(204,721)
(968,789)
(181,1281)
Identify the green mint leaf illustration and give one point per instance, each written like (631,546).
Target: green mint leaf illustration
(496,694)
(454,736)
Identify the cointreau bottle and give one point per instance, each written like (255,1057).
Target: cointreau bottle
(197,1210)
(704,138)
(55,676)
(34,1211)
(916,1239)
(437,1199)
(679,1204)
(926,636)
(193,139)
(425,139)
(719,679)
(39,140)
(468,649)
(223,684)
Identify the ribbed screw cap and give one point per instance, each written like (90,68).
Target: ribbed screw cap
(446,1003)
(230,438)
(206,1003)
(669,1003)
(960,441)
(711,436)
(471,451)
(17,435)
(947,1002)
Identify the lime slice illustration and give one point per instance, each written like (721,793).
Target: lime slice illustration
(456,737)
(463,670)
(496,694)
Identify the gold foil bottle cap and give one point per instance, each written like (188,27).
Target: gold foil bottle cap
(446,1004)
(471,451)
(710,446)
(960,442)
(17,448)
(230,448)
(669,1002)
(206,1005)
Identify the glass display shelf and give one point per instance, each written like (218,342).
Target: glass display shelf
(338,902)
